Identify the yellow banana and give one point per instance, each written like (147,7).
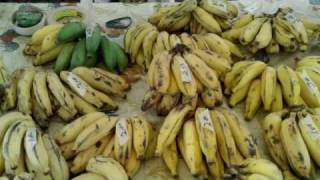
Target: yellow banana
(39,35)
(141,135)
(264,36)
(162,72)
(309,90)
(40,91)
(277,103)
(206,20)
(24,86)
(123,140)
(147,45)
(218,45)
(50,41)
(253,100)
(268,87)
(242,21)
(251,30)
(167,103)
(170,157)
(151,98)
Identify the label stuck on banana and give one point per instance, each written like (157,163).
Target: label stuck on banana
(186,75)
(205,120)
(221,4)
(311,85)
(292,18)
(309,124)
(32,137)
(89,30)
(76,83)
(122,131)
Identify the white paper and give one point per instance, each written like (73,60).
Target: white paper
(77,84)
(310,84)
(311,128)
(122,131)
(205,120)
(32,137)
(186,75)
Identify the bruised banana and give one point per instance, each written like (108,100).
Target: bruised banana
(123,140)
(141,135)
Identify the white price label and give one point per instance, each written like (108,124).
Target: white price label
(77,84)
(291,18)
(311,127)
(222,5)
(31,136)
(186,75)
(122,131)
(205,120)
(89,30)
(310,84)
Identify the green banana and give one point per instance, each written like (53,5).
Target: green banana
(91,61)
(93,39)
(79,54)
(71,31)
(64,57)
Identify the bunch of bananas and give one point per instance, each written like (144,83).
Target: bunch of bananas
(208,141)
(74,45)
(143,42)
(27,152)
(128,141)
(270,87)
(210,16)
(293,140)
(41,93)
(281,31)
(103,168)
(4,81)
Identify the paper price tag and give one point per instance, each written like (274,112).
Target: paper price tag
(122,131)
(310,84)
(186,75)
(32,136)
(291,18)
(205,120)
(77,84)
(89,30)
(310,127)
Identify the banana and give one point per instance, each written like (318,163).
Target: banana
(218,45)
(50,41)
(152,143)
(39,114)
(66,150)
(23,176)
(123,140)
(82,106)
(46,57)
(193,156)
(108,150)
(141,135)
(217,170)
(38,36)
(107,167)
(70,131)
(118,80)
(170,157)
(309,90)
(24,91)
(277,103)
(206,20)
(207,135)
(295,147)
(255,176)
(58,165)
(283,36)
(273,47)
(268,87)
(166,103)
(100,81)
(94,132)
(233,34)
(138,37)
(133,164)
(213,60)
(183,76)
(21,168)
(253,100)
(313,74)
(249,74)
(261,166)
(147,46)
(60,93)
(37,175)
(287,175)
(225,24)
(251,30)
(151,98)
(294,24)
(238,96)
(40,91)
(162,72)
(12,142)
(310,133)
(181,23)
(217,8)
(312,61)
(128,37)
(227,146)
(289,84)
(309,24)
(152,68)
(170,127)
(242,21)
(174,40)
(91,176)
(271,127)
(234,49)
(140,60)
(36,153)
(264,36)
(244,139)
(187,40)
(206,75)
(210,98)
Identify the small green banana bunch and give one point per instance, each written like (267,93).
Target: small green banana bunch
(27,153)
(272,88)
(293,140)
(128,141)
(210,141)
(209,16)
(42,93)
(143,42)
(273,33)
(73,45)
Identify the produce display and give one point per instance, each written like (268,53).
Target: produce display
(26,151)
(73,45)
(283,31)
(129,141)
(292,138)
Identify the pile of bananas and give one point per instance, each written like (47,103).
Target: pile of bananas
(208,140)
(267,86)
(4,81)
(41,93)
(143,42)
(293,140)
(73,45)
(27,152)
(102,168)
(281,31)
(129,141)
(209,16)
